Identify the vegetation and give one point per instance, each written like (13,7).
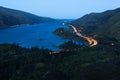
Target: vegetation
(97,63)
(10,17)
(73,62)
(63,32)
(100,24)
(67,34)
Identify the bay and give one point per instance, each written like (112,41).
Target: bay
(40,35)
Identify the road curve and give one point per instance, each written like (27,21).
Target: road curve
(92,42)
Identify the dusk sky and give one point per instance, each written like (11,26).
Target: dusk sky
(61,8)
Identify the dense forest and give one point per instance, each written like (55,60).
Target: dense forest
(11,17)
(72,61)
(103,26)
(100,24)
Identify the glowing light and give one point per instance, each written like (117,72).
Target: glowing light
(112,44)
(92,42)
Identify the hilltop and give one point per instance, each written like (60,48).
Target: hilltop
(11,17)
(73,61)
(100,24)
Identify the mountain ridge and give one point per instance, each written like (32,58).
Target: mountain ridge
(106,23)
(11,17)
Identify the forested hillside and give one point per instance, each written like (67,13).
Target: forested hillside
(75,62)
(11,17)
(102,24)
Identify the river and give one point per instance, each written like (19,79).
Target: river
(40,35)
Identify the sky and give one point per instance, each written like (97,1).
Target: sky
(62,9)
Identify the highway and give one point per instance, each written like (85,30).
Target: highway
(92,42)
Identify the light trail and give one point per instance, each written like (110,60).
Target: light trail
(92,42)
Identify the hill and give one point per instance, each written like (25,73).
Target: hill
(105,24)
(11,17)
(75,62)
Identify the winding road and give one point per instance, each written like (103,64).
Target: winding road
(92,42)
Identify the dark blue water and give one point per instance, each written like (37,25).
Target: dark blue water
(40,35)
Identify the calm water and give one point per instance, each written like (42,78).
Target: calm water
(40,35)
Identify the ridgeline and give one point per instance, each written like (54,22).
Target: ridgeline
(11,17)
(74,62)
(100,24)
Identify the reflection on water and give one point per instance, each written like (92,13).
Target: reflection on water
(40,35)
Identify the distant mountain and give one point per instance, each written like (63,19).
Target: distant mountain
(106,23)
(11,17)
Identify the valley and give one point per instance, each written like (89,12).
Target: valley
(42,48)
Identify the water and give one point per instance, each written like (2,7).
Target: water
(40,35)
